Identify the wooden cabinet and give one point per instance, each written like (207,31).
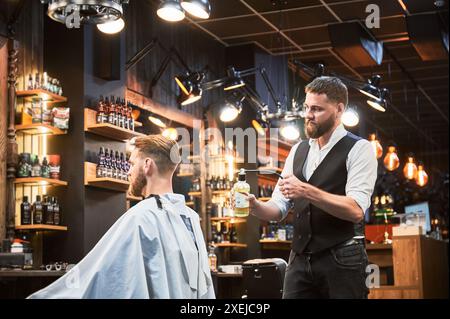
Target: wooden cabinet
(420,269)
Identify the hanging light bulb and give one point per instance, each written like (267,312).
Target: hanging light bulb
(410,169)
(376,146)
(422,176)
(170,133)
(290,131)
(198,8)
(350,118)
(391,160)
(170,10)
(112,27)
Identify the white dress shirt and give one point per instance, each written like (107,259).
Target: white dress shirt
(361,170)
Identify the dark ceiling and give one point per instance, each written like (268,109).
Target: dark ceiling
(418,118)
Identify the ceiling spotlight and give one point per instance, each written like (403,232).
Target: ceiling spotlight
(194,96)
(371,87)
(350,118)
(171,11)
(90,11)
(259,127)
(380,103)
(170,133)
(184,83)
(112,27)
(290,131)
(157,121)
(198,8)
(235,81)
(232,108)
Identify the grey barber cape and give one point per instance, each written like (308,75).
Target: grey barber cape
(148,253)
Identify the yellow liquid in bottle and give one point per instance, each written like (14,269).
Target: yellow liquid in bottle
(241,203)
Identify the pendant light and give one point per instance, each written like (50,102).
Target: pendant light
(376,146)
(198,8)
(391,160)
(171,11)
(410,169)
(422,176)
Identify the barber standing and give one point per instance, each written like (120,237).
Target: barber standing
(328,180)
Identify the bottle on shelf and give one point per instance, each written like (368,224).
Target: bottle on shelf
(36,168)
(37,211)
(37,81)
(47,211)
(101,114)
(108,164)
(30,83)
(241,203)
(233,234)
(101,168)
(56,212)
(45,168)
(212,259)
(25,212)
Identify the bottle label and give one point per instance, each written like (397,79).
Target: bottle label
(241,201)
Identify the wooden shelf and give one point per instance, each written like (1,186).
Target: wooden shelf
(46,96)
(238,245)
(231,220)
(221,192)
(195,194)
(267,179)
(138,124)
(105,129)
(113,184)
(189,203)
(273,241)
(39,129)
(39,181)
(41,227)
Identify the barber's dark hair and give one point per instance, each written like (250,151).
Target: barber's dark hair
(333,87)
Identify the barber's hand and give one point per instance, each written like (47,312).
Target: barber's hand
(292,188)
(251,200)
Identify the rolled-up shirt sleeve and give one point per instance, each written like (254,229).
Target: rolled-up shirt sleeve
(278,200)
(362,168)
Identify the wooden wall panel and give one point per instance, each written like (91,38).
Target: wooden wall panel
(3,127)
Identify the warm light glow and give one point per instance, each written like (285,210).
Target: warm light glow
(229,113)
(259,129)
(112,27)
(191,99)
(290,132)
(410,169)
(230,162)
(170,133)
(368,94)
(376,105)
(350,117)
(170,13)
(391,161)
(403,5)
(234,86)
(182,86)
(376,146)
(195,9)
(422,176)
(157,121)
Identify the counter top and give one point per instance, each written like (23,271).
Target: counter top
(29,273)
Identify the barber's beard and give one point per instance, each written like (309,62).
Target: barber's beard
(138,184)
(317,130)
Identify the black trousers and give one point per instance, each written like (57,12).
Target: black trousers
(336,273)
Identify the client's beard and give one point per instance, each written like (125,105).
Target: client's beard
(138,184)
(319,130)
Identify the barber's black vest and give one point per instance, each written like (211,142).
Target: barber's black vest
(314,229)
